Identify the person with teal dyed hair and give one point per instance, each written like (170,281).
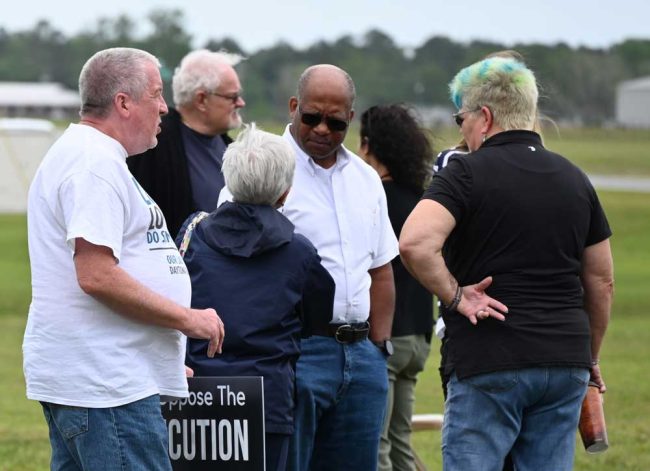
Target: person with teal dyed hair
(504,86)
(513,240)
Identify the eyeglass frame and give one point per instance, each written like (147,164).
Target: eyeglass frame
(458,116)
(234,98)
(322,117)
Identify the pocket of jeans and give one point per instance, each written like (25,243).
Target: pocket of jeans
(71,421)
(580,375)
(499,381)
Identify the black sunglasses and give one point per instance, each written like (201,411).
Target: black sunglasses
(458,117)
(314,119)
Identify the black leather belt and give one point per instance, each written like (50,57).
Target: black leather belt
(345,333)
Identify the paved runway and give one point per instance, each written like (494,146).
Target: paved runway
(620,183)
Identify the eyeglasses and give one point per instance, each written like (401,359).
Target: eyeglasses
(314,119)
(234,98)
(458,117)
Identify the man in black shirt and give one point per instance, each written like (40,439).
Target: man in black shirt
(183,172)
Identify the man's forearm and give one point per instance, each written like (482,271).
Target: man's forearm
(112,286)
(382,302)
(99,276)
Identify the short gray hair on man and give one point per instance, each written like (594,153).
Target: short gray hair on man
(258,167)
(303,81)
(200,70)
(111,71)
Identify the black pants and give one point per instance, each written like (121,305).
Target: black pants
(277,450)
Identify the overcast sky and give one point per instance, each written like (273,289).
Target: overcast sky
(256,24)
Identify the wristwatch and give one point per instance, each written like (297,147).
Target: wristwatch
(385,346)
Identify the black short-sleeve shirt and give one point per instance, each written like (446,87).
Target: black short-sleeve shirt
(413,303)
(524,216)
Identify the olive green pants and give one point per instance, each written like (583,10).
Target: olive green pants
(410,354)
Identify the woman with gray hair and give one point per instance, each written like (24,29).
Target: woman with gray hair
(515,243)
(265,281)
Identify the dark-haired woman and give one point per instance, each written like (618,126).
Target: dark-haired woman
(395,145)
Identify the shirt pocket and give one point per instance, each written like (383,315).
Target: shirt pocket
(366,230)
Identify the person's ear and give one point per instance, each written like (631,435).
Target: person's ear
(280,202)
(122,103)
(293,106)
(489,119)
(200,100)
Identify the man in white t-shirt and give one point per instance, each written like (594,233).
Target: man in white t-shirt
(110,293)
(338,202)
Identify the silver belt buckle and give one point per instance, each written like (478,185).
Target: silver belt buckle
(340,332)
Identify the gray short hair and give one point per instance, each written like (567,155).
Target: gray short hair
(200,70)
(258,167)
(111,71)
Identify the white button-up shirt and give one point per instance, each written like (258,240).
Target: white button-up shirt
(342,211)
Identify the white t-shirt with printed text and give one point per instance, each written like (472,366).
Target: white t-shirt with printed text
(76,350)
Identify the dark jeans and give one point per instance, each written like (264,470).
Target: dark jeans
(340,401)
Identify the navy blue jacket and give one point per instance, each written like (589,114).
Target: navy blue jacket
(246,262)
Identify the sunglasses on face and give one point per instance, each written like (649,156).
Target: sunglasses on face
(458,117)
(314,119)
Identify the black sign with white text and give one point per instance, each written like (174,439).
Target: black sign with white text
(219,426)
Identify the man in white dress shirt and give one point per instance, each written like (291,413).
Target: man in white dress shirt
(337,201)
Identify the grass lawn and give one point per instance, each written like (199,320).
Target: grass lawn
(597,151)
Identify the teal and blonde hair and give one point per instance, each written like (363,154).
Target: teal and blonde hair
(504,85)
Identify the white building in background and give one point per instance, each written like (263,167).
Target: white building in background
(23,144)
(38,100)
(633,103)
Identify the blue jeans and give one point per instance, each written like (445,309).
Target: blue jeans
(130,437)
(532,412)
(340,402)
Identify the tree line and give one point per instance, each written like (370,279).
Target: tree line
(577,84)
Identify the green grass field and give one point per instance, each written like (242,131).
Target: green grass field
(23,434)
(598,151)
